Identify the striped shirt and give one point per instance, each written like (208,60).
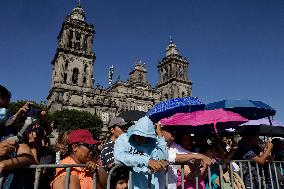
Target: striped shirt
(106,156)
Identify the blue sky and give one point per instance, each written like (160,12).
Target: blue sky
(235,47)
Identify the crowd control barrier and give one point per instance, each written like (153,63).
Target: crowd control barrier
(246,175)
(39,169)
(237,174)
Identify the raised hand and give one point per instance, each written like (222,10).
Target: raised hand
(6,147)
(158,129)
(91,165)
(155,165)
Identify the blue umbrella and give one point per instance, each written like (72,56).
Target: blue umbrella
(249,109)
(176,105)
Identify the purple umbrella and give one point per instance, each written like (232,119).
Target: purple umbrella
(264,127)
(263,121)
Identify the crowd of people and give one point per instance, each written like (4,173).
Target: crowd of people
(146,149)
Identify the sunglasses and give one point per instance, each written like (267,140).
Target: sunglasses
(123,126)
(91,147)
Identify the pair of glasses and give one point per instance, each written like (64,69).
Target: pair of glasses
(89,146)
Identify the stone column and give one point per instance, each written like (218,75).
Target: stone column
(186,72)
(89,77)
(59,70)
(72,39)
(65,38)
(174,71)
(89,44)
(160,75)
(170,71)
(82,42)
(177,71)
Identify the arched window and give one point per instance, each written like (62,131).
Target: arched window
(78,36)
(166,96)
(177,71)
(66,64)
(140,77)
(85,67)
(181,72)
(78,41)
(85,43)
(182,94)
(166,74)
(98,100)
(84,79)
(65,77)
(75,75)
(70,37)
(170,71)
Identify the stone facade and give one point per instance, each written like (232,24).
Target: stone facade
(72,76)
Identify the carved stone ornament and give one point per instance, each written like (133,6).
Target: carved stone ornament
(105,117)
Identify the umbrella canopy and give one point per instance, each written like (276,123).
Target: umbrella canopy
(264,128)
(176,105)
(249,109)
(218,117)
(131,115)
(267,130)
(263,121)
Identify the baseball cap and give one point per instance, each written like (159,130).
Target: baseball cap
(81,135)
(116,121)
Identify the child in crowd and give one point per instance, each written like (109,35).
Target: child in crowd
(119,179)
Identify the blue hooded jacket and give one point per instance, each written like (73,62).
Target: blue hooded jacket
(129,153)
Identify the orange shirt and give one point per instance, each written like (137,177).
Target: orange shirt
(85,176)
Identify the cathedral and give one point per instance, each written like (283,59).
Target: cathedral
(72,84)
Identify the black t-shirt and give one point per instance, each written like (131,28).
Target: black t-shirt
(246,151)
(46,156)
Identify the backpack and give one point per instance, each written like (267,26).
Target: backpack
(238,182)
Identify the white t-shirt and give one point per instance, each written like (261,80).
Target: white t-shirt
(174,149)
(57,157)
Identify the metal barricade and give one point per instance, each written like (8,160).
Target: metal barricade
(111,173)
(39,168)
(256,176)
(253,175)
(248,174)
(148,184)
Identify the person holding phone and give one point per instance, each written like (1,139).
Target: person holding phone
(13,155)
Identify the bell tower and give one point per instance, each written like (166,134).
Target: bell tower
(72,66)
(173,75)
(138,75)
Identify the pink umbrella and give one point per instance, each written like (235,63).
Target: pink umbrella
(205,117)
